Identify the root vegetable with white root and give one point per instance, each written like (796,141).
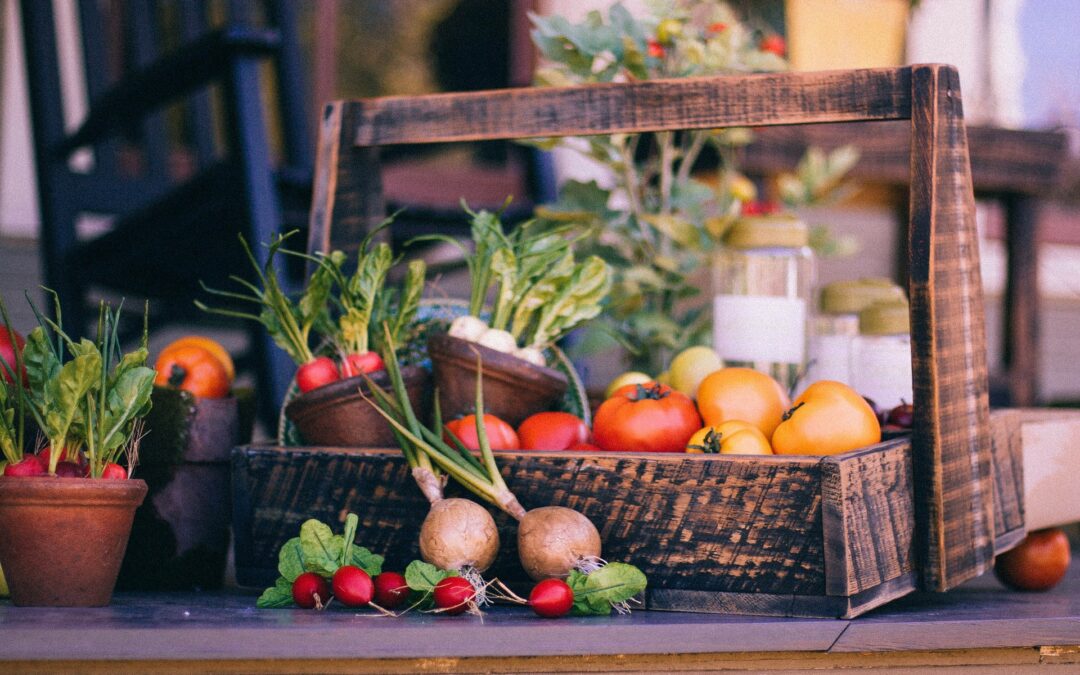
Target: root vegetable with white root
(552,540)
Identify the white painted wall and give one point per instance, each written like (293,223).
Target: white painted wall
(18,191)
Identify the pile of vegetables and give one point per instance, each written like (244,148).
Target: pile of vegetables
(343,322)
(540,291)
(86,398)
(319,566)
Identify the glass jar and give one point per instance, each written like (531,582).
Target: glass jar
(762,281)
(881,358)
(834,329)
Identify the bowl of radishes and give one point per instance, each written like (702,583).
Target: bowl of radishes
(66,512)
(540,293)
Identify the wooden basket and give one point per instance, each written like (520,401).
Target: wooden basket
(812,536)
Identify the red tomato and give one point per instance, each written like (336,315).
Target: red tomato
(552,431)
(7,354)
(500,435)
(1037,564)
(648,417)
(355,364)
(774,44)
(585,447)
(655,49)
(316,373)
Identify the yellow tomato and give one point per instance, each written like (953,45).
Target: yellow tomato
(212,346)
(730,438)
(691,366)
(742,394)
(827,419)
(631,377)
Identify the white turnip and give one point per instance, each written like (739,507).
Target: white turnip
(457,534)
(499,340)
(467,328)
(553,540)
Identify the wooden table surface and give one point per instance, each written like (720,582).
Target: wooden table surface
(980,624)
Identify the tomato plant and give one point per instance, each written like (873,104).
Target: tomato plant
(1037,564)
(194,369)
(500,434)
(649,417)
(552,431)
(827,419)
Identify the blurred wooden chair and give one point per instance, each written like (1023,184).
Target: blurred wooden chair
(185,144)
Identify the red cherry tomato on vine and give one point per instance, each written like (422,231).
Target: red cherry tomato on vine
(648,417)
(500,435)
(316,373)
(552,431)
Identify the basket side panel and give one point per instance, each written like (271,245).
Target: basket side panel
(868,517)
(1008,466)
(950,439)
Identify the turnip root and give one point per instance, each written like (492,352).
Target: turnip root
(499,340)
(459,533)
(467,328)
(532,355)
(553,540)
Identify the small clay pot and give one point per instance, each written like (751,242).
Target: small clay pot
(62,539)
(513,387)
(336,414)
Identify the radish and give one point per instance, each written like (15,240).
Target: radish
(357,364)
(352,586)
(551,598)
(114,471)
(69,470)
(454,595)
(310,591)
(391,589)
(316,373)
(27,466)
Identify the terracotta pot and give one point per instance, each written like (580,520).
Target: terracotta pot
(513,387)
(62,539)
(336,414)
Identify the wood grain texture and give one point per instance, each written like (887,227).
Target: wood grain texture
(735,524)
(950,441)
(1007,453)
(1003,161)
(868,518)
(689,103)
(347,200)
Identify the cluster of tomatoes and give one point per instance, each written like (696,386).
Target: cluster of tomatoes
(737,411)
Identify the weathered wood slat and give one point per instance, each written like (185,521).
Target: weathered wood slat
(1008,472)
(868,526)
(735,524)
(950,442)
(689,103)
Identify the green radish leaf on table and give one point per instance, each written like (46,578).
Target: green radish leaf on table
(597,592)
(422,576)
(321,548)
(278,595)
(366,560)
(291,560)
(349,538)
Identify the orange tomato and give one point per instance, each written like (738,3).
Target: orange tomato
(212,346)
(192,369)
(827,419)
(730,438)
(742,394)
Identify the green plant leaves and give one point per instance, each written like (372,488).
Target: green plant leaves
(321,548)
(601,590)
(422,577)
(291,559)
(278,595)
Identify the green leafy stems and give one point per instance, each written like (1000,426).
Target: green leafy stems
(289,323)
(478,475)
(659,221)
(318,550)
(364,300)
(540,291)
(87,396)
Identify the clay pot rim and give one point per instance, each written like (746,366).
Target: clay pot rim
(343,392)
(59,491)
(497,365)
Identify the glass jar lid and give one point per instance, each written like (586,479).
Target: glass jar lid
(891,317)
(768,231)
(852,296)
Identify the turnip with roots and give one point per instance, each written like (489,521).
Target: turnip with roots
(552,540)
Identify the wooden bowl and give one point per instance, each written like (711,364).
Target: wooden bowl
(513,387)
(337,415)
